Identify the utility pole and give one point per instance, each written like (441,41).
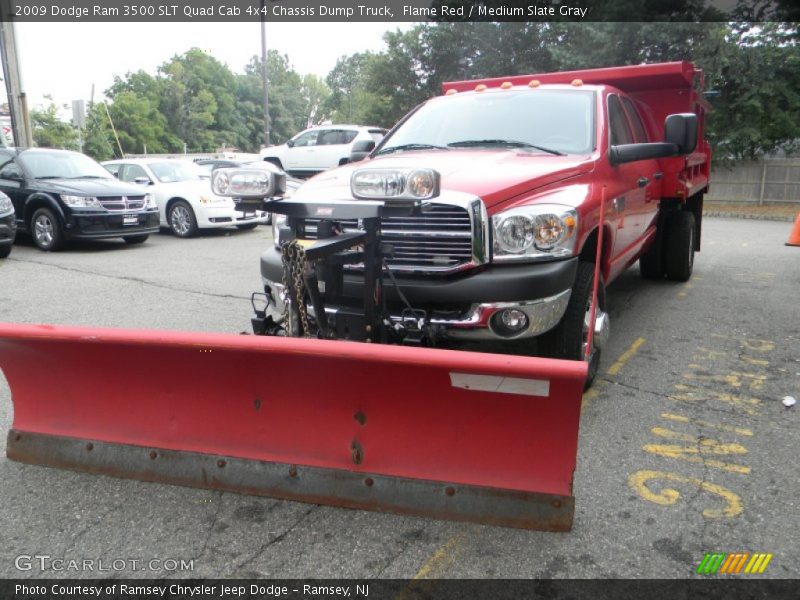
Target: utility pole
(264,72)
(17,102)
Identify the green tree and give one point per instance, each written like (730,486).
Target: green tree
(51,132)
(98,139)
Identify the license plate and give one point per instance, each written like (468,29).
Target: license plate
(130,220)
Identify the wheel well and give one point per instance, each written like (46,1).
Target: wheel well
(172,201)
(694,205)
(34,205)
(274,161)
(589,250)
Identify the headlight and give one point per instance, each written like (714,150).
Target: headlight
(535,232)
(395,184)
(5,204)
(278,221)
(81,201)
(242,182)
(150,201)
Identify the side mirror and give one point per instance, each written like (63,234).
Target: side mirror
(361,149)
(142,181)
(681,130)
(290,143)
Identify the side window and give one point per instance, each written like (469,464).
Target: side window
(331,137)
(113,169)
(309,138)
(638,128)
(10,170)
(131,172)
(348,136)
(619,131)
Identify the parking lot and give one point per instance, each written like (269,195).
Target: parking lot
(685,446)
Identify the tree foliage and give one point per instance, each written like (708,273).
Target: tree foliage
(51,132)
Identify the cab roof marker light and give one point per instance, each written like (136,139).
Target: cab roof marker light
(506,85)
(451,92)
(480,87)
(534,83)
(577,82)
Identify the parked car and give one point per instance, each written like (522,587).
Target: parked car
(8,225)
(185,200)
(60,195)
(320,148)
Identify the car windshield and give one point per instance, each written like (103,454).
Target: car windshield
(556,121)
(61,165)
(173,170)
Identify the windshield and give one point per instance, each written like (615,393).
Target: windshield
(173,170)
(557,120)
(61,165)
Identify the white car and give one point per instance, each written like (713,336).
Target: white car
(320,148)
(185,199)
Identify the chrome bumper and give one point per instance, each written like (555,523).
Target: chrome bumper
(473,325)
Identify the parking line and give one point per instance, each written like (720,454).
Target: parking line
(701,423)
(434,568)
(627,355)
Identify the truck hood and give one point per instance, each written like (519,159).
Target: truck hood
(89,187)
(495,175)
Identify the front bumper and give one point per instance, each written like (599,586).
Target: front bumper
(8,230)
(105,225)
(464,305)
(224,216)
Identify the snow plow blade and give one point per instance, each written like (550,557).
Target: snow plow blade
(437,433)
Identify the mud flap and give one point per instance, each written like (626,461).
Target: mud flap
(438,433)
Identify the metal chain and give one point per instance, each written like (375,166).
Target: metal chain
(293,257)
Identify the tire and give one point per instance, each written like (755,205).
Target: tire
(247,227)
(651,263)
(46,230)
(136,239)
(679,246)
(5,251)
(181,219)
(567,340)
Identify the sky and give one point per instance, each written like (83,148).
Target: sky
(64,60)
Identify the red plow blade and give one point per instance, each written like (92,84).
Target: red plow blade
(438,433)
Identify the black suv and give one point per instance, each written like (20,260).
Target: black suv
(60,195)
(8,225)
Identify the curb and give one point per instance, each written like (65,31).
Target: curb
(733,215)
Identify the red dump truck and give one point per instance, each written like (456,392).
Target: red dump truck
(514,172)
(497,212)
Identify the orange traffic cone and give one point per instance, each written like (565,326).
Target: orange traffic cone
(794,237)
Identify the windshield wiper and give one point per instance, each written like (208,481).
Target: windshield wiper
(507,143)
(403,147)
(49,177)
(88,177)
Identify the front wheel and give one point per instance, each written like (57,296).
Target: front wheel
(570,337)
(5,251)
(679,246)
(182,220)
(46,230)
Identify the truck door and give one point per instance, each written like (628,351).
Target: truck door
(301,155)
(628,204)
(648,177)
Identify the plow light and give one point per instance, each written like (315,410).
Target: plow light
(242,182)
(395,184)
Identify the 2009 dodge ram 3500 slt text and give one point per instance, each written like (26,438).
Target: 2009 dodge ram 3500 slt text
(506,246)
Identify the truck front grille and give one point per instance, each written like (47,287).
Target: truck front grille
(122,202)
(439,239)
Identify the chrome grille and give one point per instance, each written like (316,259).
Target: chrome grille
(439,239)
(122,202)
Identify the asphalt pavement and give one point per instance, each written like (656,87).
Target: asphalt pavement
(685,446)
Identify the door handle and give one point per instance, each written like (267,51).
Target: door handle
(642,181)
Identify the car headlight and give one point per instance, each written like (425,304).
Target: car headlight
(395,184)
(81,201)
(278,221)
(5,204)
(535,232)
(150,201)
(242,182)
